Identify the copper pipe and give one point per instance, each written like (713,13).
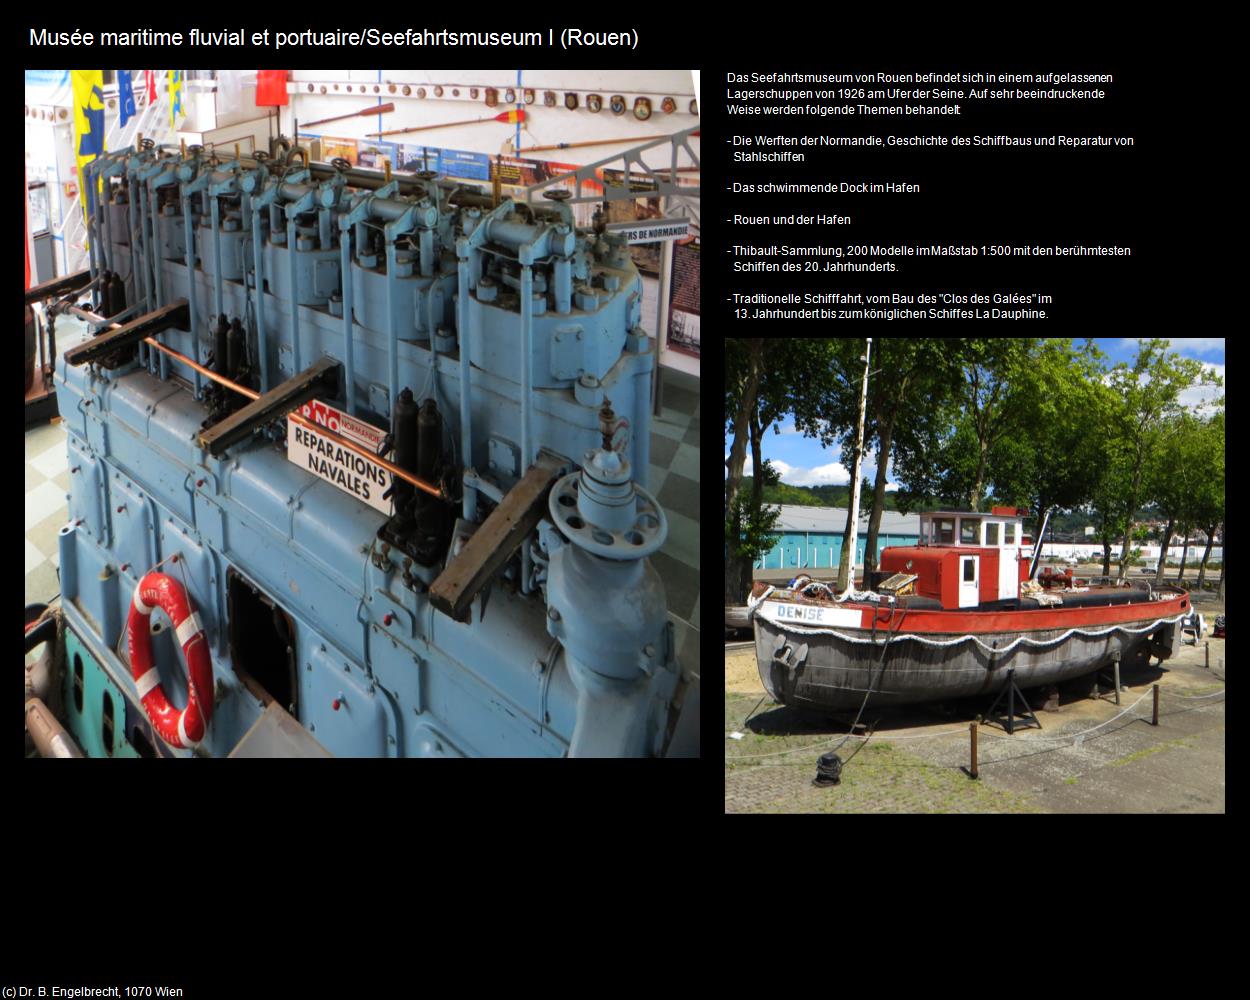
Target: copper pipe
(242,390)
(342,442)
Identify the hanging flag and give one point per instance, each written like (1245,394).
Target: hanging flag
(149,77)
(175,95)
(126,95)
(271,87)
(88,87)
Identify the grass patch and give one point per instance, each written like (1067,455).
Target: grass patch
(1143,754)
(880,779)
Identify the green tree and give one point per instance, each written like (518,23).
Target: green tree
(1050,460)
(1209,497)
(1149,391)
(765,378)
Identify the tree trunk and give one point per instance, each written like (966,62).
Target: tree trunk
(742,421)
(878,495)
(1106,555)
(1223,558)
(757,496)
(1125,550)
(1202,570)
(1132,509)
(979,485)
(846,564)
(1167,536)
(737,460)
(1184,556)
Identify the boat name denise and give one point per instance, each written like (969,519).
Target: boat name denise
(810,615)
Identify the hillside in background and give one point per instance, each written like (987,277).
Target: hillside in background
(1065,526)
(812,496)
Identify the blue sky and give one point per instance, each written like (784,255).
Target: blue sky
(803,462)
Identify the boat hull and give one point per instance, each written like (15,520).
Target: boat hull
(833,668)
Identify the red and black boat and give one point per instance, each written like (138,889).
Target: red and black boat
(949,617)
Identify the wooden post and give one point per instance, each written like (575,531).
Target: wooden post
(972,731)
(1117,679)
(1155,719)
(1206,649)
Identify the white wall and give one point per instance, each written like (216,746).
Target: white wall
(544,126)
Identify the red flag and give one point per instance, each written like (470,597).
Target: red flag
(150,77)
(271,87)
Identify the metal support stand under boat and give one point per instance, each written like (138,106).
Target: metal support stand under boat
(1010,692)
(1097,690)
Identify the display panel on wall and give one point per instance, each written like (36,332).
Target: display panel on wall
(683,309)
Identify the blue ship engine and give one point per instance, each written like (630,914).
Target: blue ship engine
(387,443)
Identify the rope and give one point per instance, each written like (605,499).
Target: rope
(1084,633)
(754,602)
(952,732)
(1198,697)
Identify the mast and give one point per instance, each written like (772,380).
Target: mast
(853,540)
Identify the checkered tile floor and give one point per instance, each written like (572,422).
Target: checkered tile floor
(674,481)
(47,482)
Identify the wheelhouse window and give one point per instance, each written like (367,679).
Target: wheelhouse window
(945,532)
(969,532)
(1011,534)
(991,534)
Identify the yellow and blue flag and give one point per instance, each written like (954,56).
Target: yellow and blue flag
(88,85)
(175,95)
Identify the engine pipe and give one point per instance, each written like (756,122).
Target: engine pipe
(469,502)
(192,184)
(92,249)
(403,224)
(154,184)
(216,188)
(356,211)
(527,379)
(292,242)
(259,203)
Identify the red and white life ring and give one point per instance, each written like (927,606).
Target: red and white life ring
(184,728)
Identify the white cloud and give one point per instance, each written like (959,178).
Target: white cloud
(1186,345)
(833,474)
(1200,398)
(891,487)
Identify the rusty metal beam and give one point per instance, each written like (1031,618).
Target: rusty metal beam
(494,542)
(176,315)
(319,379)
(58,287)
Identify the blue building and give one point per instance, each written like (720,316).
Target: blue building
(811,537)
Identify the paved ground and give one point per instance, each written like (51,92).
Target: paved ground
(1126,765)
